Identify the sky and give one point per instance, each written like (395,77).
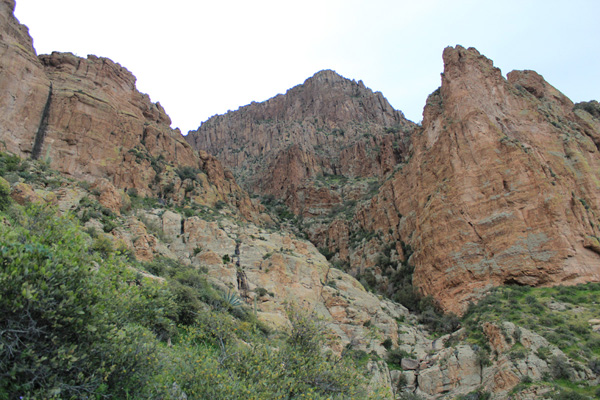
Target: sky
(201,58)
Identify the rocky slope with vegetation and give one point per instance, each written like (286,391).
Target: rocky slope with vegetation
(204,299)
(133,266)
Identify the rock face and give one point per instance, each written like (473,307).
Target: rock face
(502,186)
(24,87)
(100,126)
(499,186)
(269,270)
(329,125)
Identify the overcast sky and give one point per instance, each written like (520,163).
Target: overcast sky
(201,58)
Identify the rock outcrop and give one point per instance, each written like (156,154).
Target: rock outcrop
(499,185)
(502,186)
(270,270)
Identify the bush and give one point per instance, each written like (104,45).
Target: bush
(595,366)
(62,323)
(476,395)
(4,194)
(568,395)
(559,368)
(188,173)
(387,343)
(394,358)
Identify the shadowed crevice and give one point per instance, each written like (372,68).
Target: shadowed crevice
(41,133)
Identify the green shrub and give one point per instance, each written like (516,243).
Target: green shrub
(4,194)
(595,366)
(62,319)
(387,343)
(559,368)
(568,395)
(220,204)
(188,173)
(103,245)
(394,358)
(479,394)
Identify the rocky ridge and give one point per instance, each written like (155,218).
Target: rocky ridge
(474,108)
(327,126)
(86,118)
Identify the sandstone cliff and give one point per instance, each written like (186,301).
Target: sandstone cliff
(87,119)
(499,186)
(502,186)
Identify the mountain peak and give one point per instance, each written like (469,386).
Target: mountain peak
(327,76)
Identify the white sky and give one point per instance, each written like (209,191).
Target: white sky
(201,58)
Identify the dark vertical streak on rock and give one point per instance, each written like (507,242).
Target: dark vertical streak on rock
(41,133)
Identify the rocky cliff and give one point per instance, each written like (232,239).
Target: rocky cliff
(502,185)
(327,126)
(24,87)
(499,185)
(86,118)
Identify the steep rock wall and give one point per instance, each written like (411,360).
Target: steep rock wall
(502,187)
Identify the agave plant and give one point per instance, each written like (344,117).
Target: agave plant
(232,299)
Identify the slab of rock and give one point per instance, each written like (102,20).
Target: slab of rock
(410,364)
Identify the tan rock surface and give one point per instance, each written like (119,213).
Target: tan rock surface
(291,270)
(24,87)
(23,194)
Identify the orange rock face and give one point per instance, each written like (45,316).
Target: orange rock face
(502,187)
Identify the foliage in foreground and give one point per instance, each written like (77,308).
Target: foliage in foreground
(80,323)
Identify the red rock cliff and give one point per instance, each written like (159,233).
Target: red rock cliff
(24,87)
(502,188)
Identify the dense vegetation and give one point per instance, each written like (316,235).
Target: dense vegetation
(560,315)
(81,319)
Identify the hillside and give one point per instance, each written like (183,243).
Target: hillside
(372,259)
(327,126)
(205,300)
